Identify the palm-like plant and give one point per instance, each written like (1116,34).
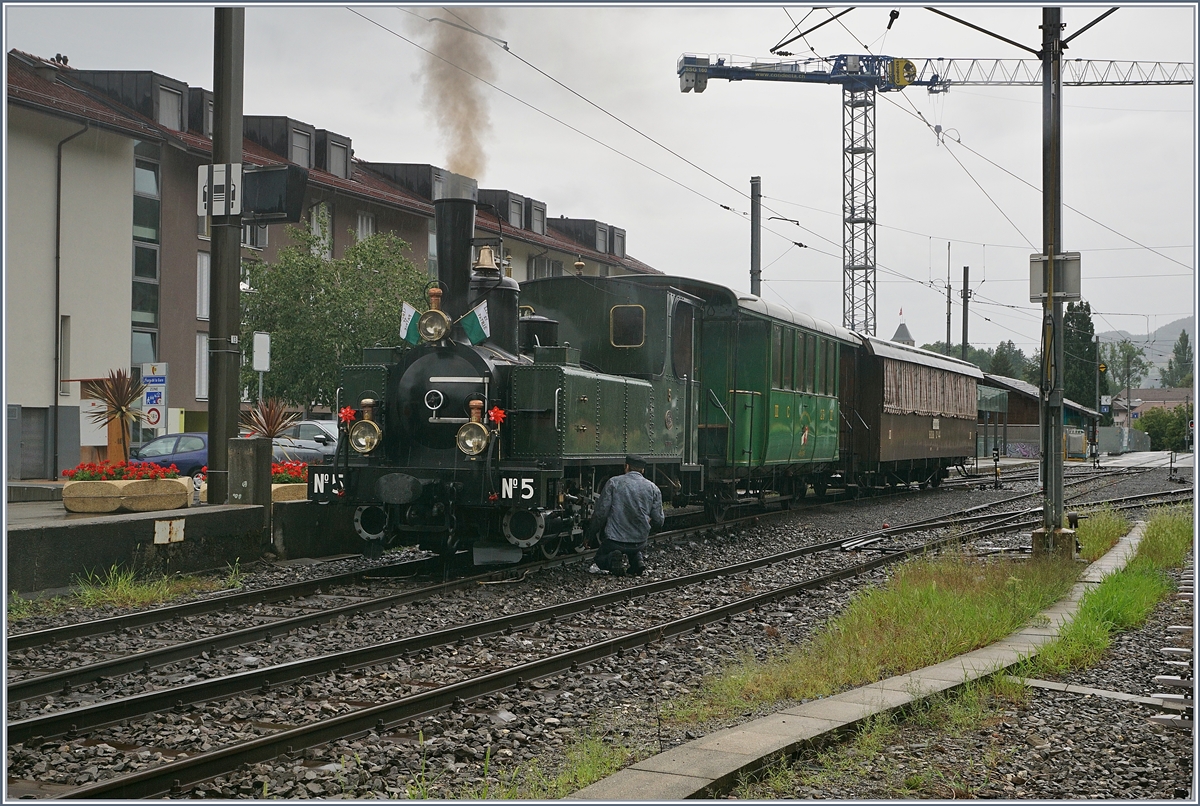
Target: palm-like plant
(119,393)
(268,418)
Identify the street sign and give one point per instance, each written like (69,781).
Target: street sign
(154,397)
(262,351)
(1105,409)
(219,190)
(1105,400)
(1103,368)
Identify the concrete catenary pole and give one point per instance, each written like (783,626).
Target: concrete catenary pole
(224,327)
(1052,312)
(756,236)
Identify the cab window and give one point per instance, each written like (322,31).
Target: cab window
(681,340)
(627,326)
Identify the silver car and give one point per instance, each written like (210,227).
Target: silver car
(321,433)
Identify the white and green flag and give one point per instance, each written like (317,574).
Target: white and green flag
(408,324)
(476,323)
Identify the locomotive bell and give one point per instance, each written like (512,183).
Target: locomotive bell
(486,260)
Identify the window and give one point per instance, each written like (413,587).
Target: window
(145,304)
(204,226)
(516,213)
(818,366)
(145,261)
(788,341)
(538,266)
(189,444)
(681,340)
(366,225)
(601,239)
(776,356)
(208,119)
(301,148)
(145,178)
(170,108)
(627,326)
(431,261)
(833,368)
(254,236)
(145,219)
(618,243)
(159,447)
(339,160)
(318,224)
(145,347)
(203,281)
(539,220)
(202,366)
(64,354)
(810,363)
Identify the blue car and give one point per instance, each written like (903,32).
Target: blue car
(189,452)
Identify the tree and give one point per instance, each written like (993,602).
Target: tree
(1008,360)
(321,313)
(1179,366)
(1122,355)
(1168,430)
(1080,354)
(120,393)
(1033,369)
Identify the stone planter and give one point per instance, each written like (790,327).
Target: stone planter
(289,492)
(279,492)
(136,495)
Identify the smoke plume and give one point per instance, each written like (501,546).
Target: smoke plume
(456,100)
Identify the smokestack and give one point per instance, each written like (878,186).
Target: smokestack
(454,220)
(756,236)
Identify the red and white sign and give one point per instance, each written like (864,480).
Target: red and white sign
(153,415)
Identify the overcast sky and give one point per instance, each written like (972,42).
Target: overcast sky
(1128,152)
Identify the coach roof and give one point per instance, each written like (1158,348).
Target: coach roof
(915,355)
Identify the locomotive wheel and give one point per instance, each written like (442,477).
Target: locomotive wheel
(717,511)
(551,546)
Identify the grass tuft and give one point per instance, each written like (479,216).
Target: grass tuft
(588,760)
(120,587)
(932,609)
(1100,531)
(1124,600)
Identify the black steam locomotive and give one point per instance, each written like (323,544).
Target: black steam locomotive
(496,431)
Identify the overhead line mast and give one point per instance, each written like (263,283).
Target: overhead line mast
(861,77)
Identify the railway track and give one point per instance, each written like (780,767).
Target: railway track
(386,716)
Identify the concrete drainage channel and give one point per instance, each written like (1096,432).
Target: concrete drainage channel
(714,762)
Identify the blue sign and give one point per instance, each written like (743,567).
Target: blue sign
(154,398)
(1104,409)
(154,380)
(1136,414)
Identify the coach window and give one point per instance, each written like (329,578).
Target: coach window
(627,326)
(681,340)
(789,341)
(776,356)
(810,363)
(833,368)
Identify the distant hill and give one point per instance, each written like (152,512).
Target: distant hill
(1157,345)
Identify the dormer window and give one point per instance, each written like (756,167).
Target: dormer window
(170,108)
(602,239)
(339,160)
(516,213)
(301,148)
(208,119)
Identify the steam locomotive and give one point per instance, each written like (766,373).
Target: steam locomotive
(501,446)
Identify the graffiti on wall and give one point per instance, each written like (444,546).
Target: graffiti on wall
(1024,450)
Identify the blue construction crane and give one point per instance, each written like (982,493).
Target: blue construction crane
(863,76)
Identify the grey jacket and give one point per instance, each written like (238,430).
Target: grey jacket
(627,508)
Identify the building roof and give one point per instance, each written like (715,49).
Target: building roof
(77,100)
(29,85)
(1168,395)
(902,336)
(1029,390)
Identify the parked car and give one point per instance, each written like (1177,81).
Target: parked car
(322,432)
(189,452)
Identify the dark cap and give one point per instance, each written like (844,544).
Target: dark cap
(636,462)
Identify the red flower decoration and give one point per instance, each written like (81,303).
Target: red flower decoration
(496,414)
(346,415)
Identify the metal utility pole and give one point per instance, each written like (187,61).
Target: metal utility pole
(947,298)
(1052,310)
(1128,400)
(224,327)
(966,295)
(858,206)
(756,236)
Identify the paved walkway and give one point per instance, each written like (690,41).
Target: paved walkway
(711,764)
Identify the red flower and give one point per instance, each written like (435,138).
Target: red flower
(346,415)
(497,414)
